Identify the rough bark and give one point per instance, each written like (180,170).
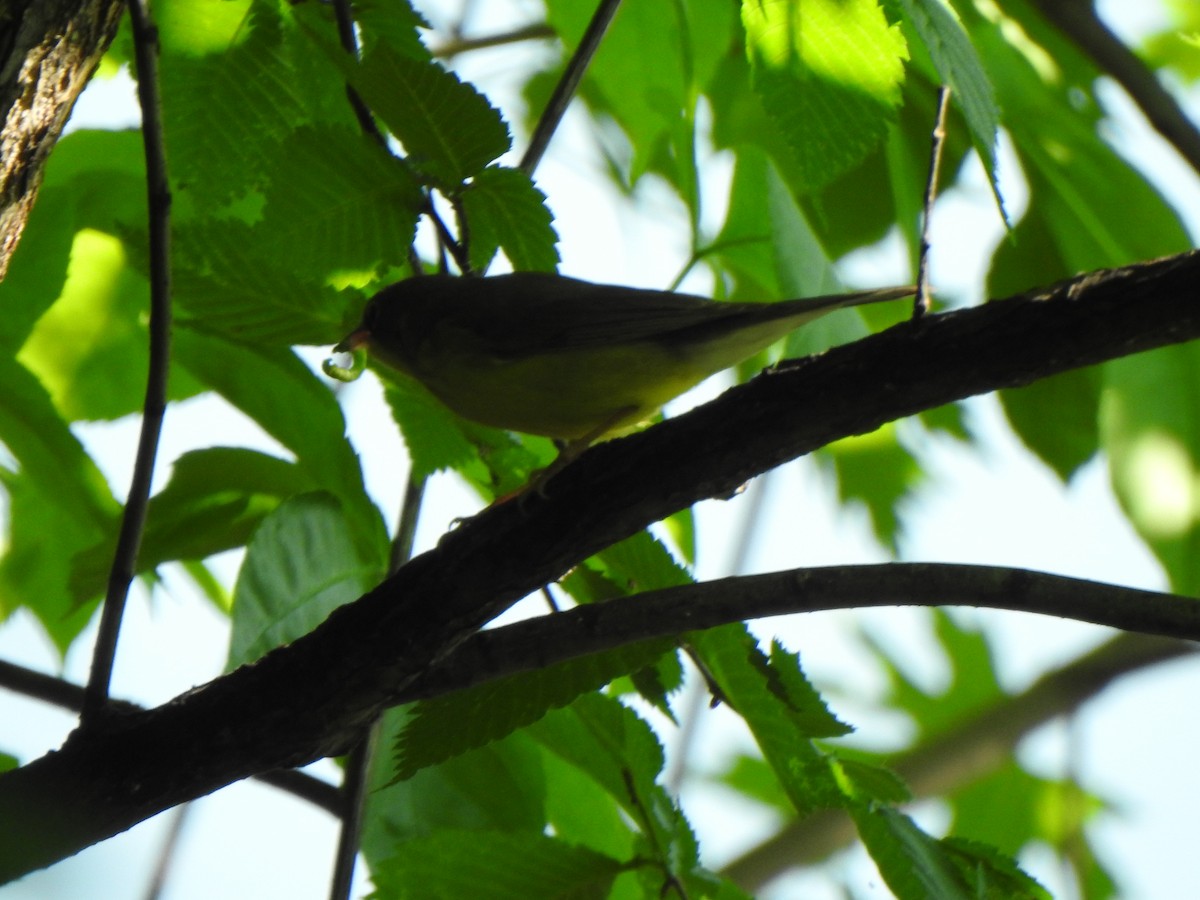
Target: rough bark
(311,698)
(48,51)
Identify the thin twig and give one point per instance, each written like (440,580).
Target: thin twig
(921,303)
(162,868)
(366,121)
(565,89)
(458,44)
(133,519)
(357,779)
(349,42)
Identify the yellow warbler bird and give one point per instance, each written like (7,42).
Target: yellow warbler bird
(568,359)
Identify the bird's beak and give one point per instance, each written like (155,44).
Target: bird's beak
(353,341)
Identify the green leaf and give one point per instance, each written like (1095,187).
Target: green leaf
(914,865)
(1057,417)
(33,570)
(432,433)
(500,786)
(278,392)
(781,712)
(991,874)
(653,61)
(872,783)
(641,563)
(229,109)
(496,865)
(829,74)
(1151,433)
(619,751)
(215,499)
(228,281)
(959,66)
(877,470)
(391,23)
(301,564)
(452,724)
(973,684)
(449,130)
(48,455)
(89,349)
(337,202)
(788,682)
(505,211)
(582,812)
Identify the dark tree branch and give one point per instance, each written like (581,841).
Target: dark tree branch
(1077,19)
(962,754)
(535,644)
(539,643)
(48,51)
(58,692)
(557,105)
(154,408)
(312,697)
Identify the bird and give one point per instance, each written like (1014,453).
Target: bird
(573,360)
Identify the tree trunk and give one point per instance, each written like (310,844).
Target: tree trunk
(48,51)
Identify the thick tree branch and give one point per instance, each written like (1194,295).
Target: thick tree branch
(311,697)
(48,51)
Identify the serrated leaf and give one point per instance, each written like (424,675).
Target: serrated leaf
(991,874)
(731,657)
(394,24)
(498,865)
(336,202)
(788,682)
(301,564)
(959,66)
(608,741)
(641,563)
(449,130)
(227,112)
(504,210)
(914,865)
(829,74)
(215,499)
(228,282)
(433,435)
(450,725)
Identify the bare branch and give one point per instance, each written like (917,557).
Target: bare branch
(133,519)
(312,697)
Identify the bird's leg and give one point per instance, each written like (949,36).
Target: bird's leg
(571,451)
